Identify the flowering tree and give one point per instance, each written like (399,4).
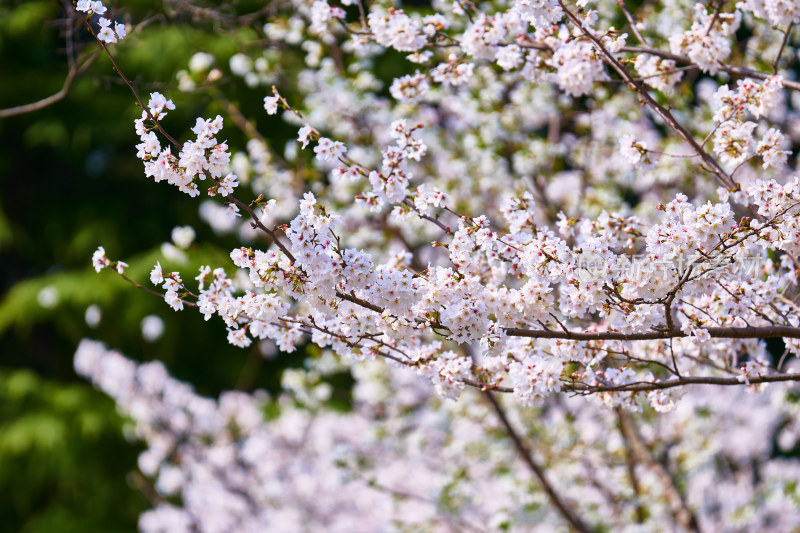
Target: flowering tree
(585,239)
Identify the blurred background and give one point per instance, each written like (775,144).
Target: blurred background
(71,183)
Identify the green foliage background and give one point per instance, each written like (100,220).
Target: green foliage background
(72,182)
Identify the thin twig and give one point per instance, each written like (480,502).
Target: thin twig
(632,23)
(715,17)
(783,45)
(131,87)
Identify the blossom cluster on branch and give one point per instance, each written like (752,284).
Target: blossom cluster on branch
(533,206)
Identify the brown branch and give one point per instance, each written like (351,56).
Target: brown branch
(715,17)
(146,486)
(217,15)
(631,462)
(565,509)
(751,332)
(730,69)
(454,521)
(256,223)
(44,102)
(783,45)
(148,289)
(632,23)
(661,74)
(72,74)
(362,17)
(638,449)
(647,386)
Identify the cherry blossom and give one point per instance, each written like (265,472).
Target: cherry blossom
(587,234)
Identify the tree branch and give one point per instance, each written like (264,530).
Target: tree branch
(751,332)
(664,113)
(680,511)
(730,69)
(646,386)
(73,72)
(565,509)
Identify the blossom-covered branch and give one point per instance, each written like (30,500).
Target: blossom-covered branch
(529,206)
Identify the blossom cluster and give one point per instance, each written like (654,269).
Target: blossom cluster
(708,42)
(107,34)
(733,139)
(474,300)
(197,160)
(779,14)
